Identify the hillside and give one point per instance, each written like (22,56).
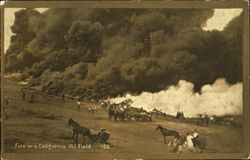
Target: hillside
(45,122)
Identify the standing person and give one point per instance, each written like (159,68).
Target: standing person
(63,97)
(23,95)
(90,110)
(189,142)
(207,120)
(110,112)
(78,104)
(156,113)
(31,98)
(141,110)
(203,117)
(122,111)
(95,108)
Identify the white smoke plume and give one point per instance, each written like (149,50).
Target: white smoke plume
(219,99)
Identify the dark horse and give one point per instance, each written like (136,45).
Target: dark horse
(78,129)
(165,132)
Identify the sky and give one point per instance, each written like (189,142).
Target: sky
(9,17)
(219,20)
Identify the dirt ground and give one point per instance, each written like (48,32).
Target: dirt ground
(45,122)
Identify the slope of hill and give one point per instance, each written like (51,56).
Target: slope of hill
(45,122)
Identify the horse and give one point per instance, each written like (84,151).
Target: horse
(78,129)
(165,132)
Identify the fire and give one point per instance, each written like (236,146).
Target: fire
(218,99)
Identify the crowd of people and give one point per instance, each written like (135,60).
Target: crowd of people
(92,110)
(117,111)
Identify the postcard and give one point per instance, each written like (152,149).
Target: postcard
(124,80)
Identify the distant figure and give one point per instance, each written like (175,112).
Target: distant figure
(178,114)
(31,98)
(95,108)
(23,95)
(63,97)
(90,110)
(110,112)
(207,120)
(156,114)
(104,104)
(125,107)
(182,114)
(78,105)
(212,119)
(164,115)
(203,117)
(141,109)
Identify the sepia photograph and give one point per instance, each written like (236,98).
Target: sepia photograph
(124,82)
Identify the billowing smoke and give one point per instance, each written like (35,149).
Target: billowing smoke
(100,53)
(218,99)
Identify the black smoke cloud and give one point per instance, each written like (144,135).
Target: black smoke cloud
(100,52)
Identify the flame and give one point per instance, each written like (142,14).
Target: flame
(218,99)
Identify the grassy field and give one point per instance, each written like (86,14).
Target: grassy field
(45,122)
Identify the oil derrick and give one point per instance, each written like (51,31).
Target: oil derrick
(147,46)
